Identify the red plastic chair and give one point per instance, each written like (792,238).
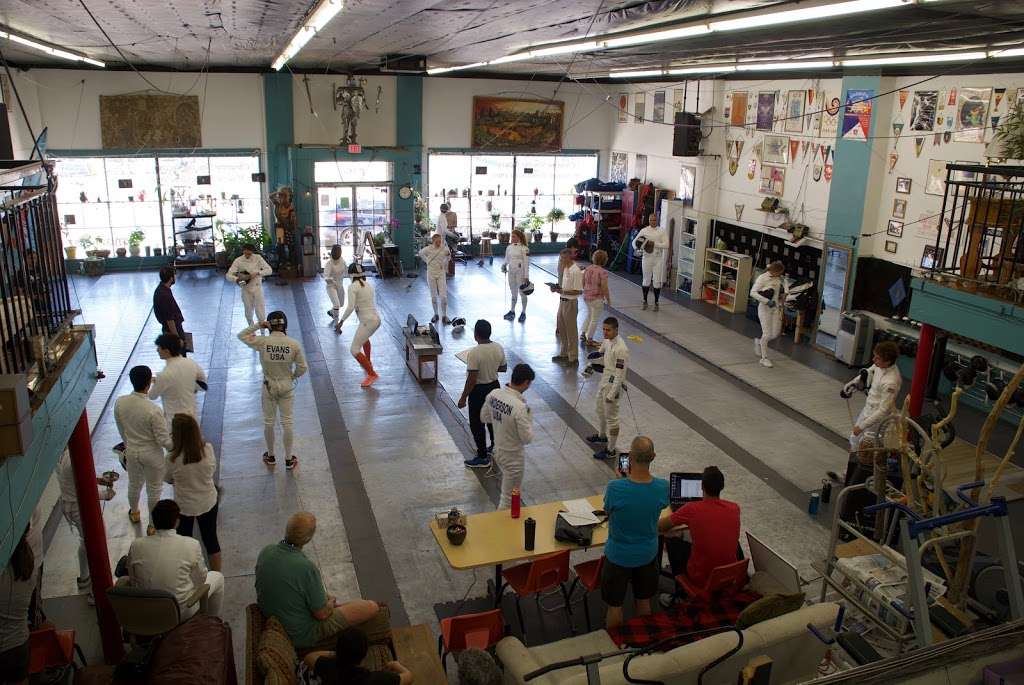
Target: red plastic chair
(51,648)
(724,580)
(481,631)
(540,575)
(588,574)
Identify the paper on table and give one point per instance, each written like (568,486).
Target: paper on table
(579,512)
(463,356)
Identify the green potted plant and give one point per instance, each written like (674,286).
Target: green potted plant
(494,224)
(70,250)
(87,244)
(1008,142)
(553,217)
(100,251)
(135,239)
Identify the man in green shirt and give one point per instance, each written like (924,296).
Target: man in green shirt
(289,587)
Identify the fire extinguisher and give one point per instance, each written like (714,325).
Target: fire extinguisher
(307,243)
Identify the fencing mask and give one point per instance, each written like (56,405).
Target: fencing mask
(526,288)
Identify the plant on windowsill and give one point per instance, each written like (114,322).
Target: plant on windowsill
(553,217)
(70,251)
(494,224)
(135,239)
(87,244)
(100,252)
(121,252)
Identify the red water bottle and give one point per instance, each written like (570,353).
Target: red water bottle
(516,500)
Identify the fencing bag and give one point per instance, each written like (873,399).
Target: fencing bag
(577,535)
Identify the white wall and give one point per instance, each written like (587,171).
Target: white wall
(322,126)
(68,104)
(917,232)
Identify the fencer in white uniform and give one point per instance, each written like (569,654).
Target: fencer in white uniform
(652,243)
(335,271)
(69,508)
(283,361)
(506,410)
(176,386)
(248,271)
(615,360)
(517,266)
(436,256)
(362,301)
(883,386)
(769,290)
(143,430)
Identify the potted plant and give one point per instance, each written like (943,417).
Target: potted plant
(100,252)
(71,251)
(553,217)
(135,239)
(87,244)
(1009,137)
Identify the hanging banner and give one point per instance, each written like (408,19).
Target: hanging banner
(1000,92)
(751,169)
(794,146)
(995,121)
(897,129)
(830,117)
(893,157)
(857,115)
(918,146)
(903,98)
(739,211)
(937,139)
(952,97)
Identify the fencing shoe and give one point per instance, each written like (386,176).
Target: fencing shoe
(434,318)
(767,363)
(269,459)
(478,463)
(597,438)
(291,462)
(603,454)
(370,379)
(522,317)
(510,315)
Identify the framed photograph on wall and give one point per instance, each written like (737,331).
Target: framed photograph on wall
(895,228)
(765,111)
(936,183)
(795,111)
(776,150)
(932,257)
(891,246)
(658,113)
(903,185)
(899,208)
(638,108)
(773,180)
(623,107)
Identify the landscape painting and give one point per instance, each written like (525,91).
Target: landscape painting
(511,124)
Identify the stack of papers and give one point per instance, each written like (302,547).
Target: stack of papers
(579,512)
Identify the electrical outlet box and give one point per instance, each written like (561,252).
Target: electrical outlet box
(15,415)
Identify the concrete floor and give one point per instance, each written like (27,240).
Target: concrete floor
(377,464)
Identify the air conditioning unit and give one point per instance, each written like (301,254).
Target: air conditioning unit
(853,341)
(403,64)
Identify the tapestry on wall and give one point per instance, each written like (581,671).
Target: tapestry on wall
(509,124)
(857,114)
(150,121)
(830,117)
(618,163)
(972,114)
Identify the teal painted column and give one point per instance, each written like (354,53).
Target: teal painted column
(279,118)
(409,139)
(848,190)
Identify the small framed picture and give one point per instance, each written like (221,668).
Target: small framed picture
(903,185)
(899,208)
(895,228)
(932,257)
(776,150)
(891,246)
(773,180)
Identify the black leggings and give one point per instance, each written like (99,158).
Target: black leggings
(207,529)
(476,403)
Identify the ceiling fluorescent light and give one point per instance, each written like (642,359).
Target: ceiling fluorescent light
(443,70)
(710,69)
(913,59)
(564,49)
(636,74)
(49,50)
(1013,52)
(511,58)
(817,12)
(777,66)
(314,23)
(654,36)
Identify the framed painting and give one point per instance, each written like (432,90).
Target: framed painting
(658,112)
(936,183)
(895,228)
(795,111)
(738,113)
(773,180)
(677,102)
(765,111)
(776,150)
(510,124)
(903,185)
(623,107)
(891,246)
(638,108)
(899,208)
(922,111)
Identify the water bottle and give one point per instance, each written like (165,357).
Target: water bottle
(530,528)
(826,491)
(516,501)
(812,506)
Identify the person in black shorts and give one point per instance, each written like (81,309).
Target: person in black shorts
(343,664)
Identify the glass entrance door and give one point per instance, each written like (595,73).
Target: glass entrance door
(346,212)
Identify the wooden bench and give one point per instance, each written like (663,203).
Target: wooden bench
(416,648)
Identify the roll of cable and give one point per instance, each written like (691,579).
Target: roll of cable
(979,363)
(994,388)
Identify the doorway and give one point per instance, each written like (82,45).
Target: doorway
(345,212)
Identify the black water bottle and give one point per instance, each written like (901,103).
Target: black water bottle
(530,527)
(826,492)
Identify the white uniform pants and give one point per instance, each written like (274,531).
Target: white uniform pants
(214,600)
(252,300)
(608,416)
(337,295)
(438,285)
(653,266)
(516,279)
(594,310)
(771,325)
(868,433)
(511,465)
(145,468)
(74,519)
(274,402)
(363,333)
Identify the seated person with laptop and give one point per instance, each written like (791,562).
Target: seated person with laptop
(713,524)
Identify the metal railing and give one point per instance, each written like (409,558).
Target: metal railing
(34,301)
(979,243)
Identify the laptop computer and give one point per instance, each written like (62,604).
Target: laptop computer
(684,487)
(771,562)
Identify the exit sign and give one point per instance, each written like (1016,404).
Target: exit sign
(355,149)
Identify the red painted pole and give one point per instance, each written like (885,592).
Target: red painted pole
(922,362)
(95,535)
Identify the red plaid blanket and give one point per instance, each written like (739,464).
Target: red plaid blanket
(682,618)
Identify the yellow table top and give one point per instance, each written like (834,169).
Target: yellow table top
(494,537)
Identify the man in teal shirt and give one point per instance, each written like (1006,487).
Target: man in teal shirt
(289,588)
(634,504)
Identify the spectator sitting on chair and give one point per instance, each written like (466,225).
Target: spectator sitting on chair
(289,587)
(714,527)
(633,504)
(173,563)
(477,667)
(344,664)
